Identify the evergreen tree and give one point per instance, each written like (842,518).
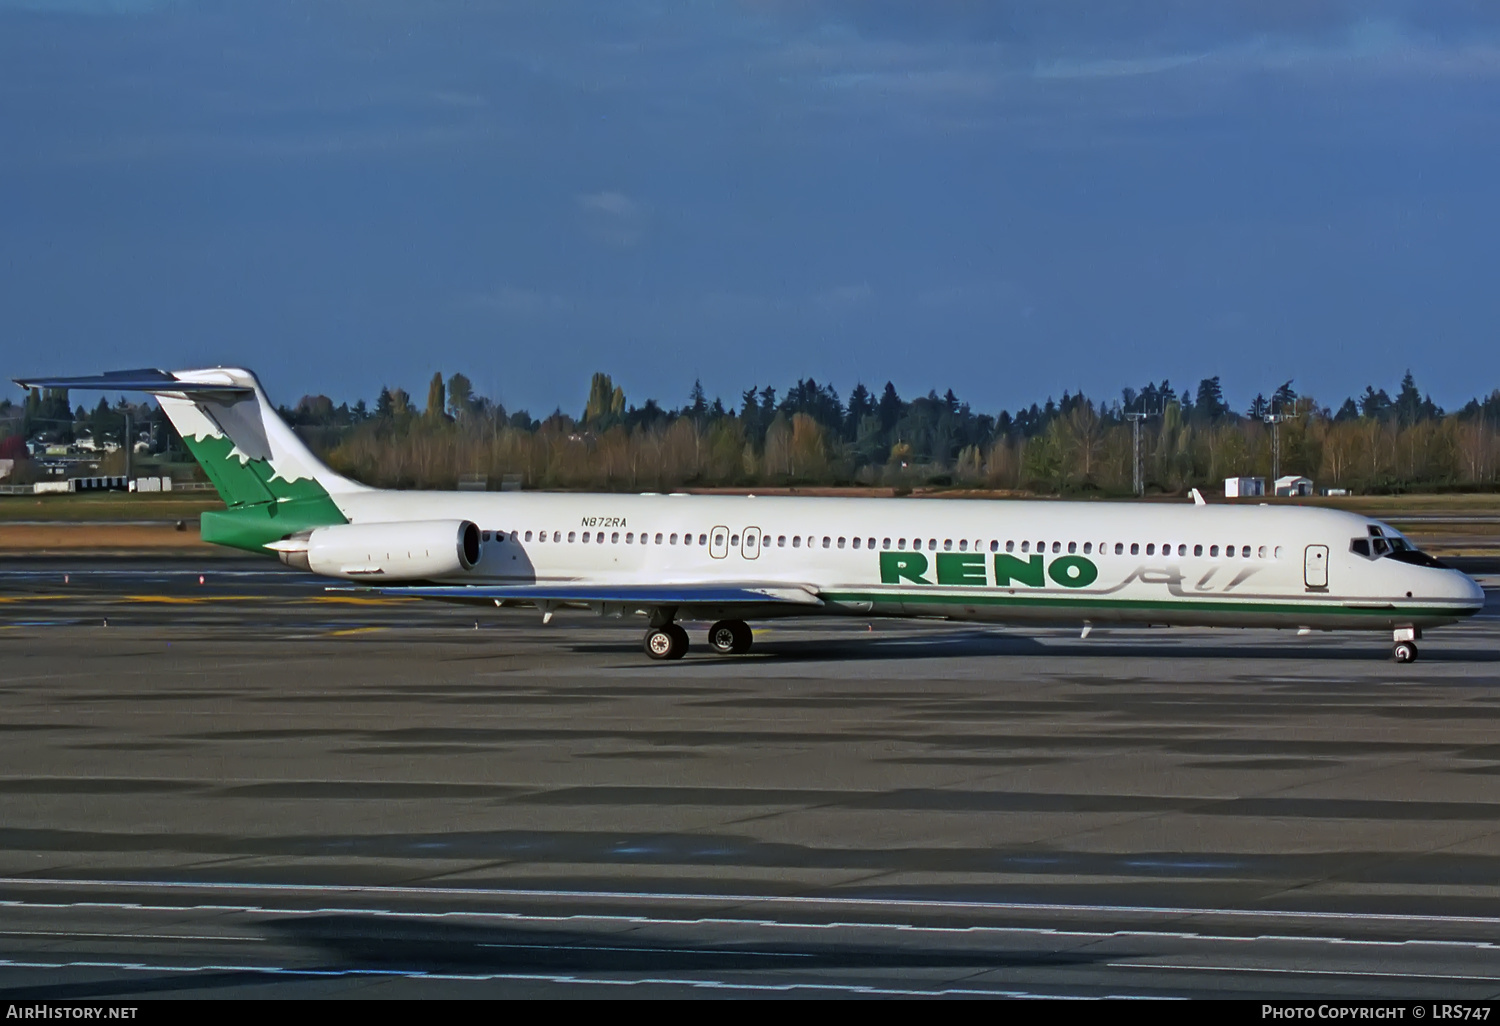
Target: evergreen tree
(1284,399)
(1210,404)
(1374,404)
(435,400)
(890,409)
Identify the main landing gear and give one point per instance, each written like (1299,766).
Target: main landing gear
(730,637)
(670,641)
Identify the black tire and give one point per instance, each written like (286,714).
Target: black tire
(663,643)
(730,637)
(1404,652)
(681,637)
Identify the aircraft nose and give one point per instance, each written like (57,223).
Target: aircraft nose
(1469,591)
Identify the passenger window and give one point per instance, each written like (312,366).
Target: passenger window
(855,543)
(1072,547)
(1150,548)
(797,541)
(572,536)
(703,539)
(1010,546)
(781,541)
(885,543)
(658,537)
(1119,548)
(1197,550)
(1213,550)
(900,543)
(827,541)
(1278,552)
(931,544)
(1135,548)
(841,543)
(869,543)
(1182,550)
(963,545)
(947,544)
(1245,551)
(1261,552)
(734,539)
(672,540)
(1026,546)
(614,538)
(1088,547)
(599,538)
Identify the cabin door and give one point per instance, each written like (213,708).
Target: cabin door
(1315,566)
(718,543)
(750,543)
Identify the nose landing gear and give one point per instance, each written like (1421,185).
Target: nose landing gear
(1405,648)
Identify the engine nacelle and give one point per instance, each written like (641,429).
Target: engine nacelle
(408,551)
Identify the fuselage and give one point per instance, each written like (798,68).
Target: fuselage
(1160,563)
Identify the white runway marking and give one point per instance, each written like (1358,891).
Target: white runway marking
(605,981)
(1306,972)
(805,901)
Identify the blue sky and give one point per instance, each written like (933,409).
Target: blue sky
(1009,198)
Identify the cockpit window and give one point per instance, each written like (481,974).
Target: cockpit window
(1392,546)
(1416,558)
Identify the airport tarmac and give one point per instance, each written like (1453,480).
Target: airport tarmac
(255,787)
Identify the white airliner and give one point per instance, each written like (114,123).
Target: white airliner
(731,559)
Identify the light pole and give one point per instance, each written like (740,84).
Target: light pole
(1275,419)
(1135,430)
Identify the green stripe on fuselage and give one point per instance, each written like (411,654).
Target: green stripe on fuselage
(932,596)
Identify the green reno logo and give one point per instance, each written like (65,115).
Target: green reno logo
(968,569)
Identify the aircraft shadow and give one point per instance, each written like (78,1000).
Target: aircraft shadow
(971,645)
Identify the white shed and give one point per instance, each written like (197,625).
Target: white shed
(1294,485)
(1244,487)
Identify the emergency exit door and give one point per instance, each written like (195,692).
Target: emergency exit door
(750,543)
(1315,566)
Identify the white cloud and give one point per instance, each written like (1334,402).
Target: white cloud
(612,218)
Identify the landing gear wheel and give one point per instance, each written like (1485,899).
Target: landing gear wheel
(1404,652)
(682,640)
(669,642)
(730,637)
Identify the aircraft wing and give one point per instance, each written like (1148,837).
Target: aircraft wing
(636,595)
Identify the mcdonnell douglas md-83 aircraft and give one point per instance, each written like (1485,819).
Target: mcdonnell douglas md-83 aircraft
(731,559)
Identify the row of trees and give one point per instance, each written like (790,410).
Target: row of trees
(811,436)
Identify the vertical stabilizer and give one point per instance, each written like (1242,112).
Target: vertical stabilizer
(271,483)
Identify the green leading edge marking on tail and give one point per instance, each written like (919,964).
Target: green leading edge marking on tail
(262,506)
